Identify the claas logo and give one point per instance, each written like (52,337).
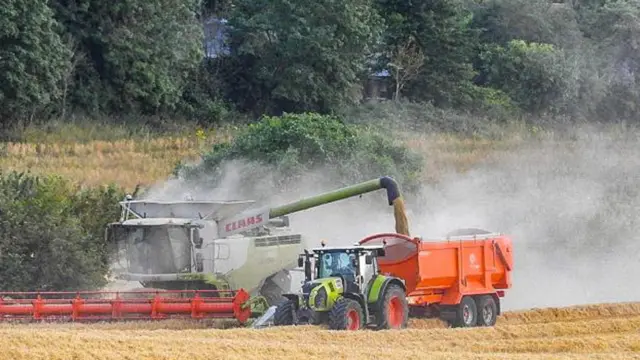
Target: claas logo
(243,223)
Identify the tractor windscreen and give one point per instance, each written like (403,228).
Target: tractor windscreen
(155,249)
(337,263)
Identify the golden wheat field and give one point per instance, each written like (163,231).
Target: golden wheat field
(127,162)
(606,331)
(144,161)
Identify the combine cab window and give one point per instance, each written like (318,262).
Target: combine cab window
(155,250)
(181,246)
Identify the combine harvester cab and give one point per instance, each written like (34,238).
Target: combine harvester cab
(459,279)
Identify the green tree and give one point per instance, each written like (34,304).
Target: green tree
(535,76)
(613,28)
(441,30)
(33,59)
(299,55)
(51,236)
(539,21)
(291,146)
(136,55)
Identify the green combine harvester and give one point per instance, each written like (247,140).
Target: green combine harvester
(221,245)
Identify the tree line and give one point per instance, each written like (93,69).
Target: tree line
(576,58)
(207,60)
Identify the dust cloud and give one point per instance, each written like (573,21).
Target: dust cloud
(571,205)
(338,223)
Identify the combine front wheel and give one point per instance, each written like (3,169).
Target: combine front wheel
(346,314)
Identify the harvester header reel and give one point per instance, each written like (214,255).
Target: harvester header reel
(125,305)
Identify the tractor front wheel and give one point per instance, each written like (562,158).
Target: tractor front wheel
(284,314)
(394,310)
(346,314)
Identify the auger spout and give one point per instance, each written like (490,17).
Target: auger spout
(245,222)
(388,183)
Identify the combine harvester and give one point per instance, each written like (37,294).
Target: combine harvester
(194,259)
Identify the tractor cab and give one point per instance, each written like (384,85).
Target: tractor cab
(349,268)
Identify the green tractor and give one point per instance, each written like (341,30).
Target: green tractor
(345,291)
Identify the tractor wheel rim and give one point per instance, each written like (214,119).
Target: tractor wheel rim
(488,314)
(394,313)
(353,320)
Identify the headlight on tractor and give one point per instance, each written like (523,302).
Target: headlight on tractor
(320,300)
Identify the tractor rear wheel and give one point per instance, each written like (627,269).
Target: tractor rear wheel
(394,310)
(487,310)
(346,314)
(284,314)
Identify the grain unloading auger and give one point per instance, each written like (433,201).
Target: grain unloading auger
(194,259)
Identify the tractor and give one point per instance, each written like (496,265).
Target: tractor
(345,291)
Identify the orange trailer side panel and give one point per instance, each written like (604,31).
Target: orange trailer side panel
(444,271)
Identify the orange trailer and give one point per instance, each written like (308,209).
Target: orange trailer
(459,280)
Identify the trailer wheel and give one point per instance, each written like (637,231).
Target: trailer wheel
(487,310)
(346,314)
(284,314)
(466,313)
(394,310)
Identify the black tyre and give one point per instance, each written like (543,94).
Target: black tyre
(487,310)
(466,313)
(284,314)
(346,314)
(394,310)
(319,318)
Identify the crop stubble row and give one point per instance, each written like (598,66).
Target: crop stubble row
(608,331)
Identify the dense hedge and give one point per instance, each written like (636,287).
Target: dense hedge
(52,233)
(292,146)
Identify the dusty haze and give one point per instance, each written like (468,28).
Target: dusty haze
(572,207)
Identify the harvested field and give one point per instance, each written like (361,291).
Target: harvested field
(608,331)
